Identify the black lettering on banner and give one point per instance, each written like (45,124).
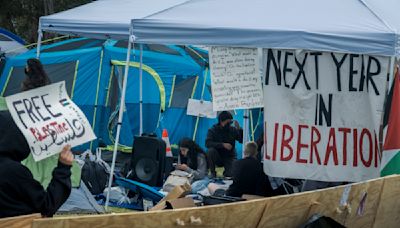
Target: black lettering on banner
(301,72)
(277,67)
(323,111)
(316,55)
(371,74)
(362,75)
(286,68)
(28,108)
(47,106)
(338,65)
(19,112)
(316,110)
(45,118)
(352,72)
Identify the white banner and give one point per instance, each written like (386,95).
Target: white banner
(49,120)
(200,108)
(322,114)
(235,78)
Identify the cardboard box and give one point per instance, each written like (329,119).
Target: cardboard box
(179,203)
(177,192)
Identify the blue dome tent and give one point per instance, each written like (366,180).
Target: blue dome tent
(93,71)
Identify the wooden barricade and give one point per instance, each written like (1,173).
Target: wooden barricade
(374,203)
(24,221)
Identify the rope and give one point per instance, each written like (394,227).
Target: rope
(33,44)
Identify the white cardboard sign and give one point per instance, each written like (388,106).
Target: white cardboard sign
(49,120)
(235,78)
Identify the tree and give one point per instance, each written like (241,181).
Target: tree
(22,16)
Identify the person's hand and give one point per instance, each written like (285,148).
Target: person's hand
(182,167)
(227,146)
(66,157)
(237,125)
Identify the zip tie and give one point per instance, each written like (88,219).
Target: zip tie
(180,222)
(194,220)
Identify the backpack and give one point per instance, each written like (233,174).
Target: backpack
(95,172)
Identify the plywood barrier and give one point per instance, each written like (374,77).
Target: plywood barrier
(246,214)
(388,212)
(24,221)
(375,203)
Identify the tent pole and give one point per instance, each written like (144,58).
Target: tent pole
(120,114)
(245,129)
(39,41)
(141,91)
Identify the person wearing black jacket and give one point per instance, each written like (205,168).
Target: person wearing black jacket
(20,194)
(220,142)
(248,175)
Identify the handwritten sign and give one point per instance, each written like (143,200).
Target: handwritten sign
(49,120)
(322,114)
(200,108)
(235,79)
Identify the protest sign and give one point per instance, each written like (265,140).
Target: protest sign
(235,78)
(49,120)
(200,108)
(322,114)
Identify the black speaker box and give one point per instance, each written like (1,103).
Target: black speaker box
(148,160)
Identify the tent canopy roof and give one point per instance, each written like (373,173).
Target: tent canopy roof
(327,25)
(103,18)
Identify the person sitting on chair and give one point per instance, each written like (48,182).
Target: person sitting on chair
(220,142)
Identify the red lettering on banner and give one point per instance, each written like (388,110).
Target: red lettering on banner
(355,147)
(289,145)
(331,148)
(285,142)
(367,163)
(267,157)
(33,131)
(47,130)
(275,142)
(300,145)
(345,132)
(314,148)
(377,153)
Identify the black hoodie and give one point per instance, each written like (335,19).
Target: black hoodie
(217,135)
(20,194)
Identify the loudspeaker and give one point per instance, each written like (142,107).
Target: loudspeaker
(148,160)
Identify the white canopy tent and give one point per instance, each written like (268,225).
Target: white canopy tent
(326,25)
(348,26)
(388,11)
(105,19)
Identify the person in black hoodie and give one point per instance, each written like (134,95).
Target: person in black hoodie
(220,142)
(248,175)
(20,194)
